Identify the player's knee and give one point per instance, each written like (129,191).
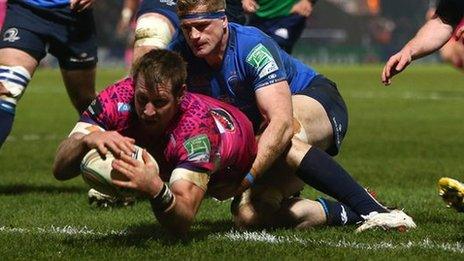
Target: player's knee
(154,31)
(13,83)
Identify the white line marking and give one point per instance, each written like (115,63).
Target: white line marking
(263,236)
(66,230)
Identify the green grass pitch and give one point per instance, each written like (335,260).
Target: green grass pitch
(401,139)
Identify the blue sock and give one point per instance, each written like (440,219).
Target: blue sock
(338,214)
(7,112)
(323,173)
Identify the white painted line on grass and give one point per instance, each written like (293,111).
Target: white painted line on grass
(66,230)
(263,237)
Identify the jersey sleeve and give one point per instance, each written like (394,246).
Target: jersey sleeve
(195,152)
(112,107)
(263,63)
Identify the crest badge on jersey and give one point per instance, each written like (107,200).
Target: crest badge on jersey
(11,35)
(261,59)
(223,120)
(198,148)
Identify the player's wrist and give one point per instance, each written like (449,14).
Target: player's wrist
(164,200)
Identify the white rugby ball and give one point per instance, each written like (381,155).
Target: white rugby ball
(98,173)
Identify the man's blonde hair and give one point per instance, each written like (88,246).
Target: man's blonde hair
(187,6)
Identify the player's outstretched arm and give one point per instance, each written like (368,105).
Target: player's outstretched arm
(71,151)
(274,102)
(174,207)
(431,37)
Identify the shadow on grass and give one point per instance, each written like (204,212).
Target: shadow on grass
(18,189)
(145,234)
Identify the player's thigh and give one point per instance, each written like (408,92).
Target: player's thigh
(313,118)
(322,113)
(16,57)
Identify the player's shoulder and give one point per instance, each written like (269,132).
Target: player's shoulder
(194,118)
(120,91)
(248,36)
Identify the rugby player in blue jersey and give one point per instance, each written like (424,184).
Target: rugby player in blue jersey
(299,114)
(64,28)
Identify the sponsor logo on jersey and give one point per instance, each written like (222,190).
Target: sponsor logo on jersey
(123,107)
(11,35)
(223,120)
(198,148)
(261,59)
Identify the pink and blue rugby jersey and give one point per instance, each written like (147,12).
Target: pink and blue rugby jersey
(206,136)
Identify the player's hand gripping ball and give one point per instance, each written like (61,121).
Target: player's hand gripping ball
(98,172)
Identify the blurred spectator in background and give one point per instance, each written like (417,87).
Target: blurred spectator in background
(283,20)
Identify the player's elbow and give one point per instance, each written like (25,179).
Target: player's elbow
(59,170)
(62,170)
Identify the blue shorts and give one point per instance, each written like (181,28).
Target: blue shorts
(326,93)
(69,36)
(166,8)
(285,30)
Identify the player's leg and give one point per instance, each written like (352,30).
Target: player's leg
(269,204)
(323,117)
(75,47)
(16,68)
(322,114)
(153,31)
(80,85)
(21,49)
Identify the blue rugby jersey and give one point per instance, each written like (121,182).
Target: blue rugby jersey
(252,60)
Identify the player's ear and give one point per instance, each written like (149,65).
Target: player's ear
(182,91)
(225,22)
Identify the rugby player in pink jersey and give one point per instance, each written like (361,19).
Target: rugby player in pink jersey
(202,146)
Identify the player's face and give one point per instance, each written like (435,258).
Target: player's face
(204,36)
(155,109)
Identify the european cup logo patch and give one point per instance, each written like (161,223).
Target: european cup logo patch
(198,148)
